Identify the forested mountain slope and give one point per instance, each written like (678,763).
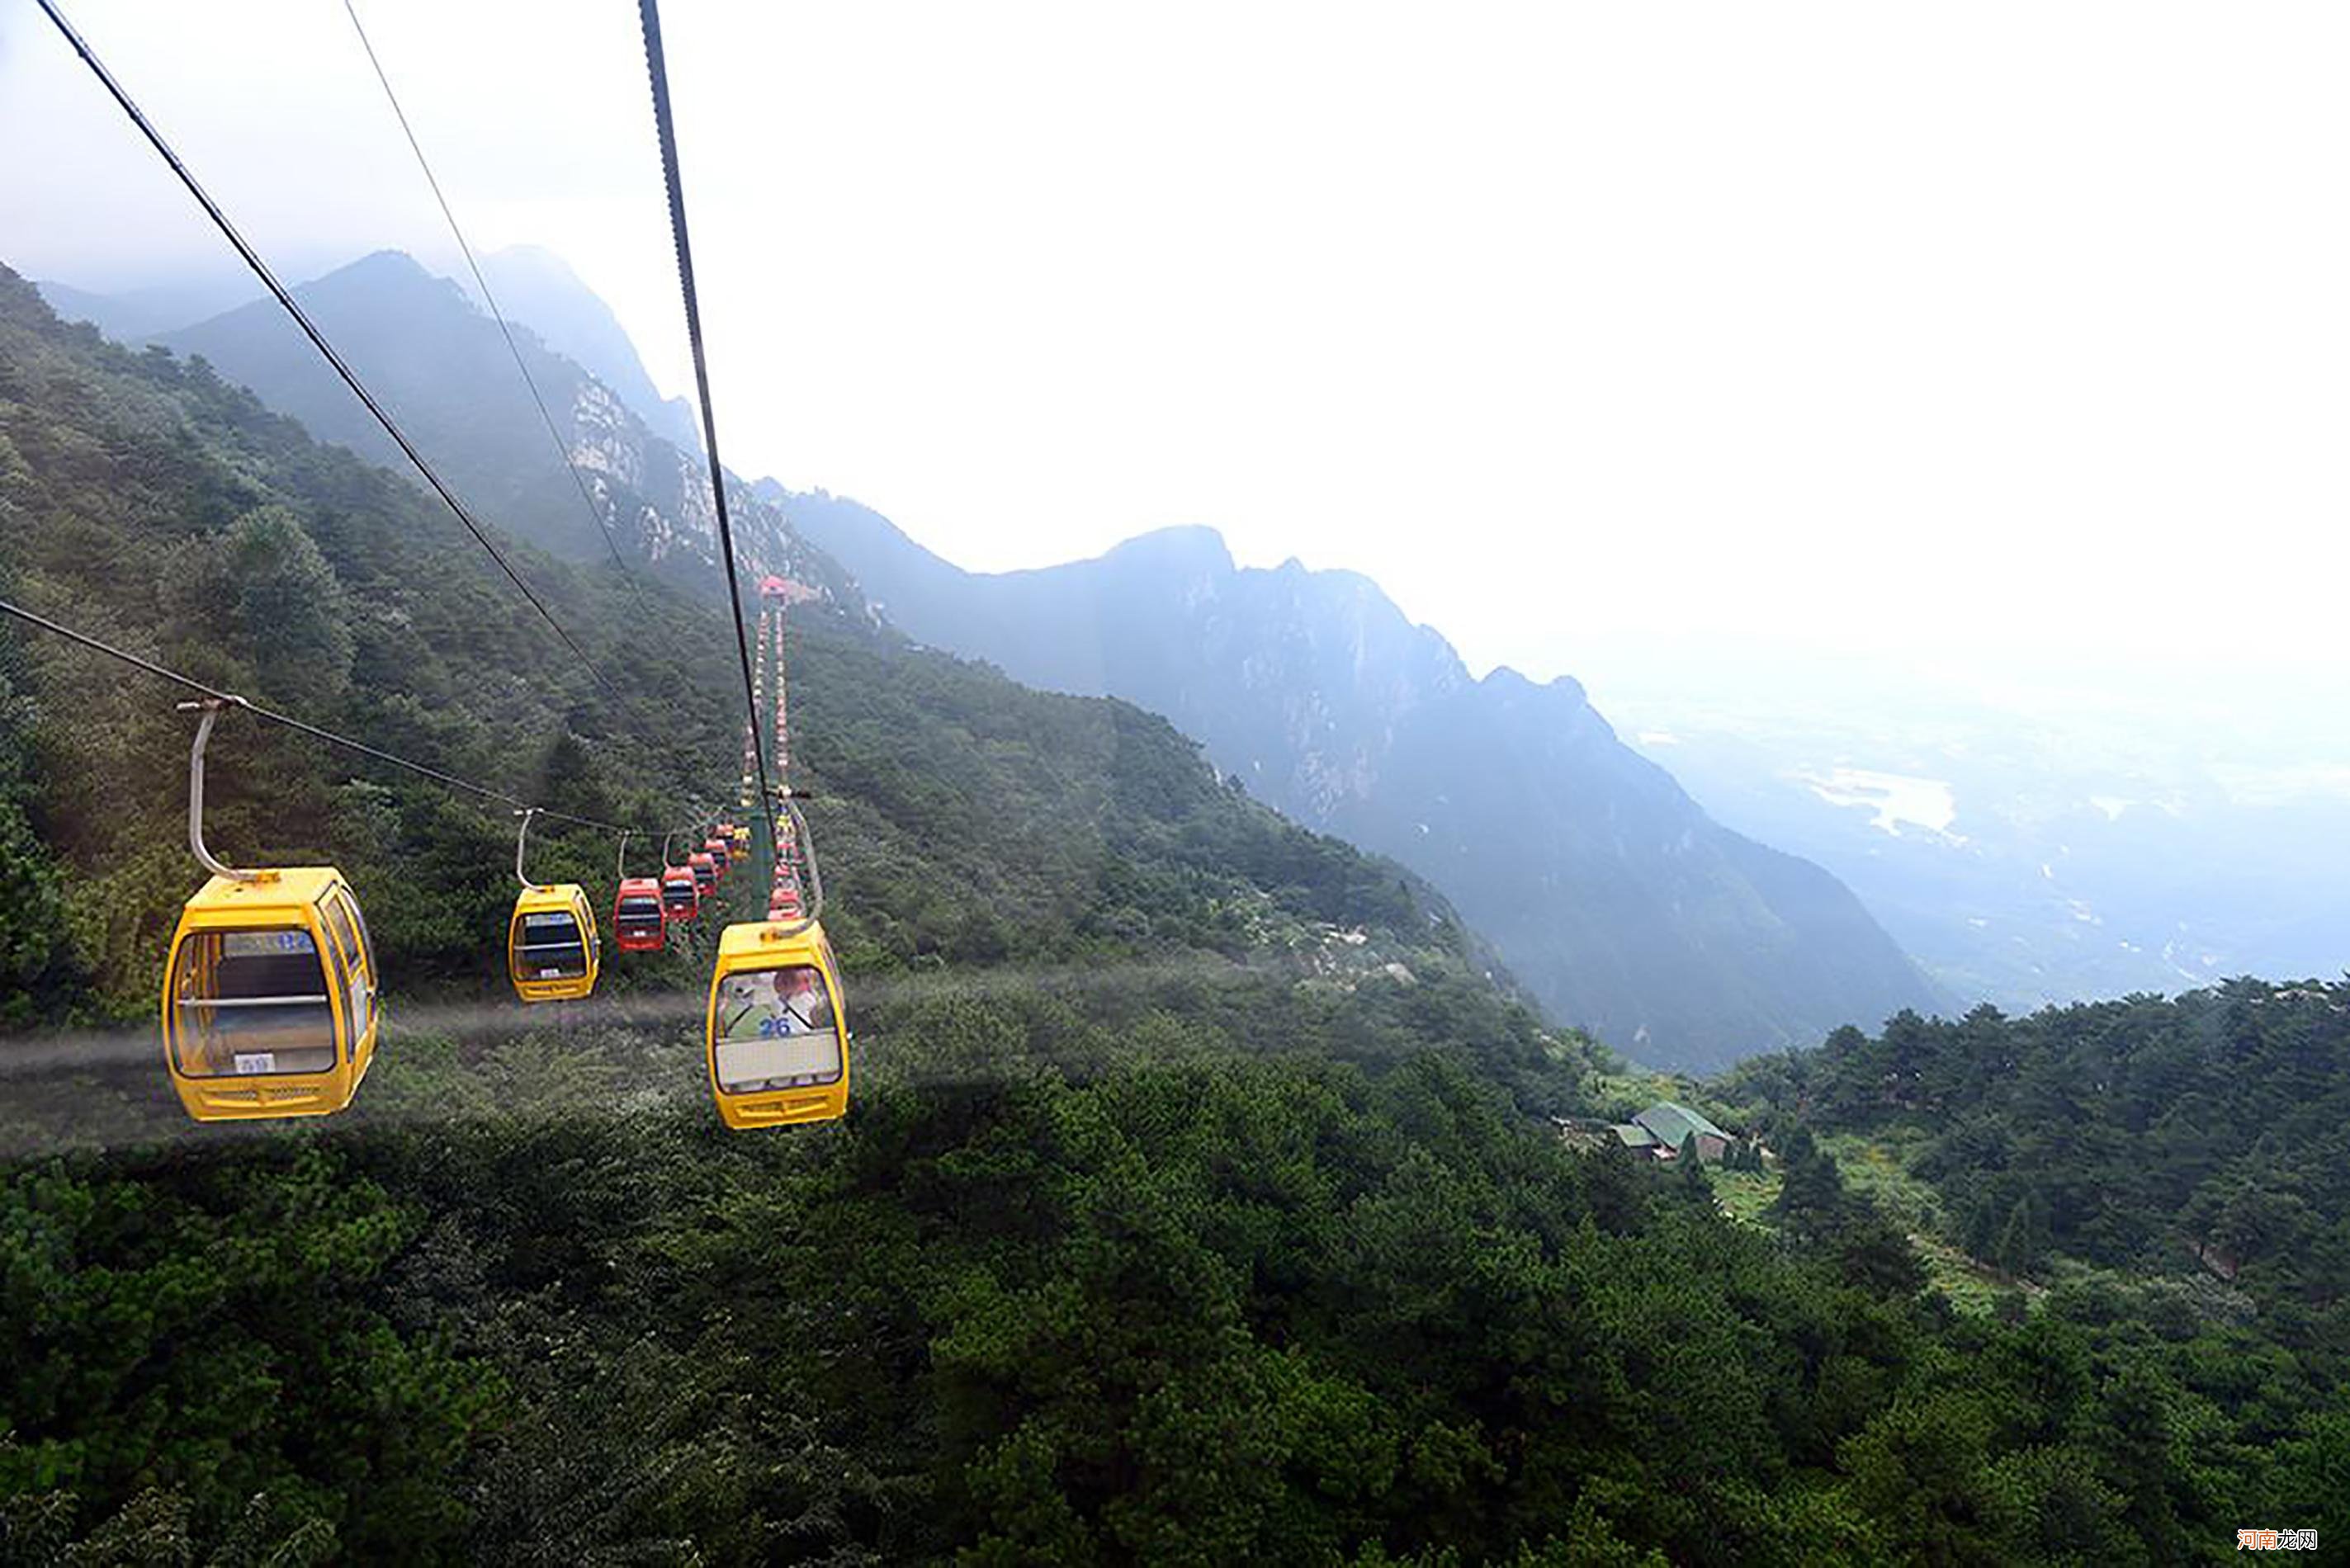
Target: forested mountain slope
(1170,1223)
(966,819)
(2203,1134)
(442,368)
(1624,907)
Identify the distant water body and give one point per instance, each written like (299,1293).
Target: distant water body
(1894,798)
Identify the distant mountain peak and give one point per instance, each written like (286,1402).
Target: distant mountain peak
(1509,678)
(1188,544)
(1606,889)
(386,263)
(426,347)
(537,286)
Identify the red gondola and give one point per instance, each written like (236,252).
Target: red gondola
(681,893)
(704,870)
(640,925)
(721,855)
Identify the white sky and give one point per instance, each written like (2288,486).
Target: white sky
(2017,333)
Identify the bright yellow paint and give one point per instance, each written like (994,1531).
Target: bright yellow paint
(296,1031)
(564,966)
(786,1065)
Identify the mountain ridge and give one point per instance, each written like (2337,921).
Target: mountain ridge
(1612,896)
(536,285)
(411,336)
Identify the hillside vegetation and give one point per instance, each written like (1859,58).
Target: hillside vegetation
(963,819)
(2206,1134)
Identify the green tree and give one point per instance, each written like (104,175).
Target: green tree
(42,978)
(2017,1250)
(1811,1200)
(290,607)
(1691,1170)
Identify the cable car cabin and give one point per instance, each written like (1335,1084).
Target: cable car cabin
(640,925)
(681,894)
(719,856)
(551,949)
(269,997)
(706,871)
(778,1042)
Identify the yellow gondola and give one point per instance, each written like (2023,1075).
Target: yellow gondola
(776,1036)
(552,950)
(269,993)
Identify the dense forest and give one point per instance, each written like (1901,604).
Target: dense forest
(1200,1202)
(2207,1136)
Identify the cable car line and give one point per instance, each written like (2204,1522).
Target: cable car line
(562,448)
(302,726)
(778,1071)
(260,269)
(656,68)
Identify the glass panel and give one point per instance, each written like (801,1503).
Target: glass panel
(338,975)
(547,945)
(366,950)
(339,921)
(251,1002)
(350,972)
(777,1030)
(359,1007)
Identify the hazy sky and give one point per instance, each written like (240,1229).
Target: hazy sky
(2010,333)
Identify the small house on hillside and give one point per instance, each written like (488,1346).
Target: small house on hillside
(1657,1132)
(1671,1125)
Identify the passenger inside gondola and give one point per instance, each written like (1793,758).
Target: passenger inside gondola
(777,1030)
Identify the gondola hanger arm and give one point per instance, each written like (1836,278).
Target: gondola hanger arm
(210,707)
(522,839)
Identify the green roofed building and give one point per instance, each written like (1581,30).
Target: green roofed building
(1657,1132)
(1668,1126)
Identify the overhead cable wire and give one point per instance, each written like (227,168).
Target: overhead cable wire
(656,68)
(292,308)
(562,447)
(303,727)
